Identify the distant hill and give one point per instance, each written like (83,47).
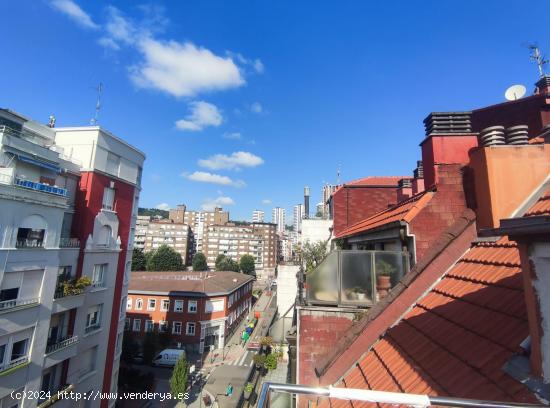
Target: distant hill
(153,212)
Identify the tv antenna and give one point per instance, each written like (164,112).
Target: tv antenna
(99,90)
(515,92)
(338,175)
(538,58)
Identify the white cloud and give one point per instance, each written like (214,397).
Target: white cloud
(183,69)
(203,114)
(266,201)
(108,43)
(119,28)
(256,107)
(210,203)
(74,12)
(235,161)
(232,135)
(212,178)
(163,206)
(258,66)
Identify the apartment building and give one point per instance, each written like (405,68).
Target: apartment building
(298,217)
(237,239)
(278,218)
(68,200)
(198,222)
(258,216)
(196,309)
(151,234)
(142,224)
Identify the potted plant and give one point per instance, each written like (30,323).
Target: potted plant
(271,361)
(259,360)
(248,390)
(350,294)
(384,271)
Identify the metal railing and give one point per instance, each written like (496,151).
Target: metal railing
(61,392)
(381,397)
(42,187)
(69,243)
(92,328)
(10,304)
(61,343)
(29,243)
(14,363)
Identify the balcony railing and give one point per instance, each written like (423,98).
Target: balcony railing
(98,285)
(10,304)
(355,278)
(42,187)
(61,343)
(29,243)
(14,363)
(69,243)
(60,392)
(92,328)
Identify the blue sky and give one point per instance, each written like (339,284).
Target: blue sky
(242,103)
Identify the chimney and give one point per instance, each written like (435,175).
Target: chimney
(306,202)
(418,180)
(532,234)
(404,190)
(449,138)
(177,214)
(543,85)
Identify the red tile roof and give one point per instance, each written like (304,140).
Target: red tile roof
(541,207)
(404,211)
(456,339)
(377,181)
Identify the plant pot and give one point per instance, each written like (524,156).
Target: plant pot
(383,285)
(361,296)
(247,394)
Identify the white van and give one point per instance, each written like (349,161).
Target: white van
(168,357)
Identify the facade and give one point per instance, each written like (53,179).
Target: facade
(278,218)
(142,224)
(173,234)
(298,217)
(68,200)
(258,216)
(235,240)
(197,310)
(326,194)
(199,221)
(315,230)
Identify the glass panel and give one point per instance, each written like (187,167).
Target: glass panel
(389,271)
(322,283)
(356,277)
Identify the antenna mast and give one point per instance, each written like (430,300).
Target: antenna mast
(95,119)
(539,59)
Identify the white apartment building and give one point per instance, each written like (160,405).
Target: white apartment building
(298,217)
(67,203)
(278,218)
(258,216)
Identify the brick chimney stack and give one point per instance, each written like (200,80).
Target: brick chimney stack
(404,189)
(543,85)
(418,181)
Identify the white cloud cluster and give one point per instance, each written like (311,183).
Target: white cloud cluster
(212,178)
(74,12)
(232,136)
(210,203)
(232,162)
(163,206)
(203,114)
(266,201)
(256,107)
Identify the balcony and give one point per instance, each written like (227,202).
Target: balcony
(69,243)
(355,278)
(61,343)
(42,187)
(61,392)
(16,303)
(13,364)
(92,328)
(29,243)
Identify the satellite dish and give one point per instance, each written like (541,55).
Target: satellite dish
(515,92)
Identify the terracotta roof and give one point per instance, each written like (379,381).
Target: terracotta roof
(377,181)
(541,207)
(404,211)
(456,339)
(198,282)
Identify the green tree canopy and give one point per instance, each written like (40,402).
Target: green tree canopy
(199,262)
(178,381)
(165,259)
(247,265)
(312,254)
(225,263)
(139,261)
(219,261)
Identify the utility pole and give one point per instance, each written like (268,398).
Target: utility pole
(538,58)
(99,90)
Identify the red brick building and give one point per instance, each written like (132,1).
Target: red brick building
(196,309)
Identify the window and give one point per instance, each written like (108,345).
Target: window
(104,236)
(176,328)
(152,304)
(88,361)
(149,324)
(30,238)
(122,308)
(139,304)
(165,305)
(127,324)
(19,349)
(192,306)
(108,198)
(137,325)
(190,329)
(127,271)
(129,303)
(98,275)
(93,318)
(178,306)
(215,305)
(163,326)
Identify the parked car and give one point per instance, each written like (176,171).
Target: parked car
(168,357)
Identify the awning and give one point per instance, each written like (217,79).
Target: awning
(37,162)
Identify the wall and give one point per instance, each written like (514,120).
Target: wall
(287,286)
(314,230)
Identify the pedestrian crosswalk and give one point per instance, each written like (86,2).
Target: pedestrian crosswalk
(244,360)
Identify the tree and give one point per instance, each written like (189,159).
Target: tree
(225,263)
(165,259)
(178,381)
(130,349)
(150,347)
(271,361)
(312,254)
(247,265)
(199,262)
(139,261)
